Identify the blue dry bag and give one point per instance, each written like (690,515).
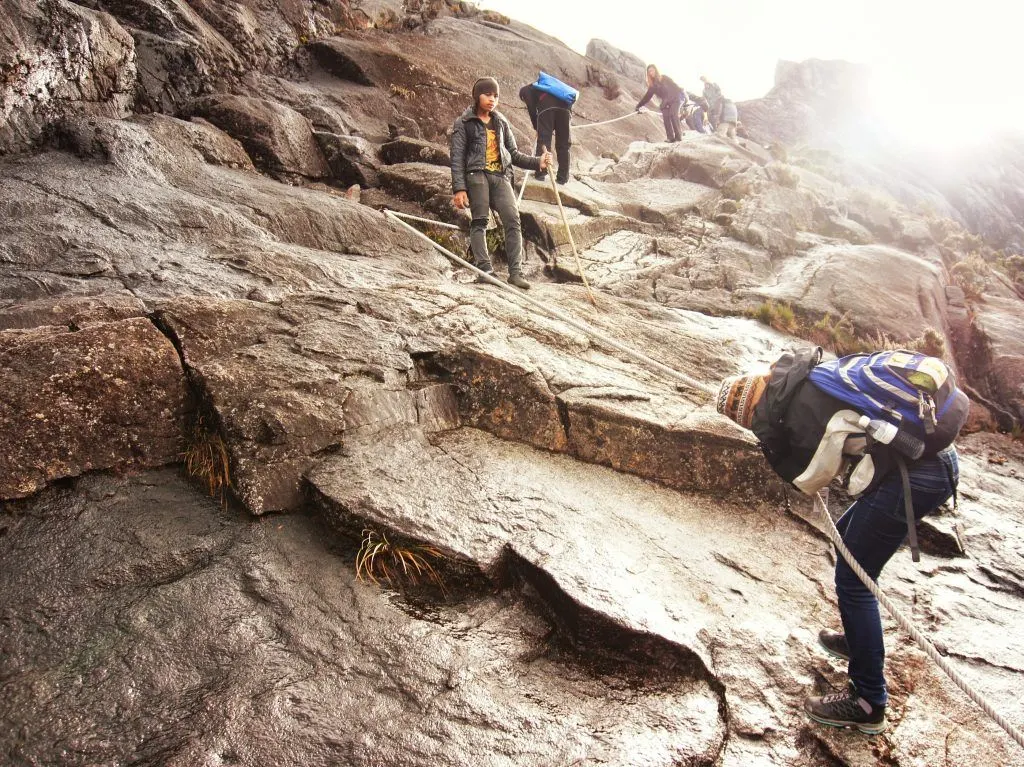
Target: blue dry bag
(556,88)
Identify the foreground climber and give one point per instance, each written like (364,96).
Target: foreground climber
(483,151)
(805,435)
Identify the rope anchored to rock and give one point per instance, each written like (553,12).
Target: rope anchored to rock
(690,383)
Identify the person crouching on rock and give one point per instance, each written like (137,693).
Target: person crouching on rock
(670,95)
(483,151)
(805,434)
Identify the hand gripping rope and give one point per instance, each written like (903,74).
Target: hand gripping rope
(691,383)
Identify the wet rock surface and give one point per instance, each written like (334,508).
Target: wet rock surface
(622,583)
(177,631)
(165,630)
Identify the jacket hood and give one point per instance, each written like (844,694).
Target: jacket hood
(470,114)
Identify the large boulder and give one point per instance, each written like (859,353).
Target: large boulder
(276,137)
(179,632)
(287,384)
(878,289)
(183,226)
(627,64)
(657,200)
(59,59)
(697,158)
(406,149)
(110,395)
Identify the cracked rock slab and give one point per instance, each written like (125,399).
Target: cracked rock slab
(111,395)
(138,621)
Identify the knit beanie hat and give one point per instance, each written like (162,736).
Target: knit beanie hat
(484,85)
(739,395)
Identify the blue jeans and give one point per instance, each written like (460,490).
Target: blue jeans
(873,528)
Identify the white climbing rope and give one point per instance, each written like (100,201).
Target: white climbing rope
(570,321)
(526,177)
(909,627)
(833,533)
(424,220)
(641,111)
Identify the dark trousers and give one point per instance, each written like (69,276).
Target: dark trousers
(492,191)
(873,529)
(670,114)
(554,118)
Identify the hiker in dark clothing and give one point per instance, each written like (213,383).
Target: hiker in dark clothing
(713,95)
(695,113)
(549,115)
(670,95)
(728,117)
(804,434)
(483,151)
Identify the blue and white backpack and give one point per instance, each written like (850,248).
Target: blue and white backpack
(910,390)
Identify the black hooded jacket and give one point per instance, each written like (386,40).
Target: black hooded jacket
(790,420)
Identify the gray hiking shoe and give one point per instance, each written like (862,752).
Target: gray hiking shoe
(518,281)
(834,643)
(846,709)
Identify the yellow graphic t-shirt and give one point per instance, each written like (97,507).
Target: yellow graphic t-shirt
(493,155)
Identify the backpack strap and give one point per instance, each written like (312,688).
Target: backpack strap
(915,551)
(952,483)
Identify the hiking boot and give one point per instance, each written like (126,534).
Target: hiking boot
(562,179)
(518,281)
(846,709)
(541,176)
(834,643)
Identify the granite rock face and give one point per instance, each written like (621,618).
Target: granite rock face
(103,395)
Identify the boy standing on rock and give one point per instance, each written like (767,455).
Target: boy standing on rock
(483,151)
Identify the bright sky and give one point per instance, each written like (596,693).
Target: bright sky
(944,71)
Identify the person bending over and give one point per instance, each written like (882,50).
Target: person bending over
(803,432)
(550,115)
(670,96)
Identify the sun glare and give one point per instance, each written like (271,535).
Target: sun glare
(944,73)
(924,115)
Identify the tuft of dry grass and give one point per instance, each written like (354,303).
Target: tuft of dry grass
(397,564)
(402,92)
(206,457)
(777,315)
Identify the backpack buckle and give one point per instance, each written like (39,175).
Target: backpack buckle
(926,412)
